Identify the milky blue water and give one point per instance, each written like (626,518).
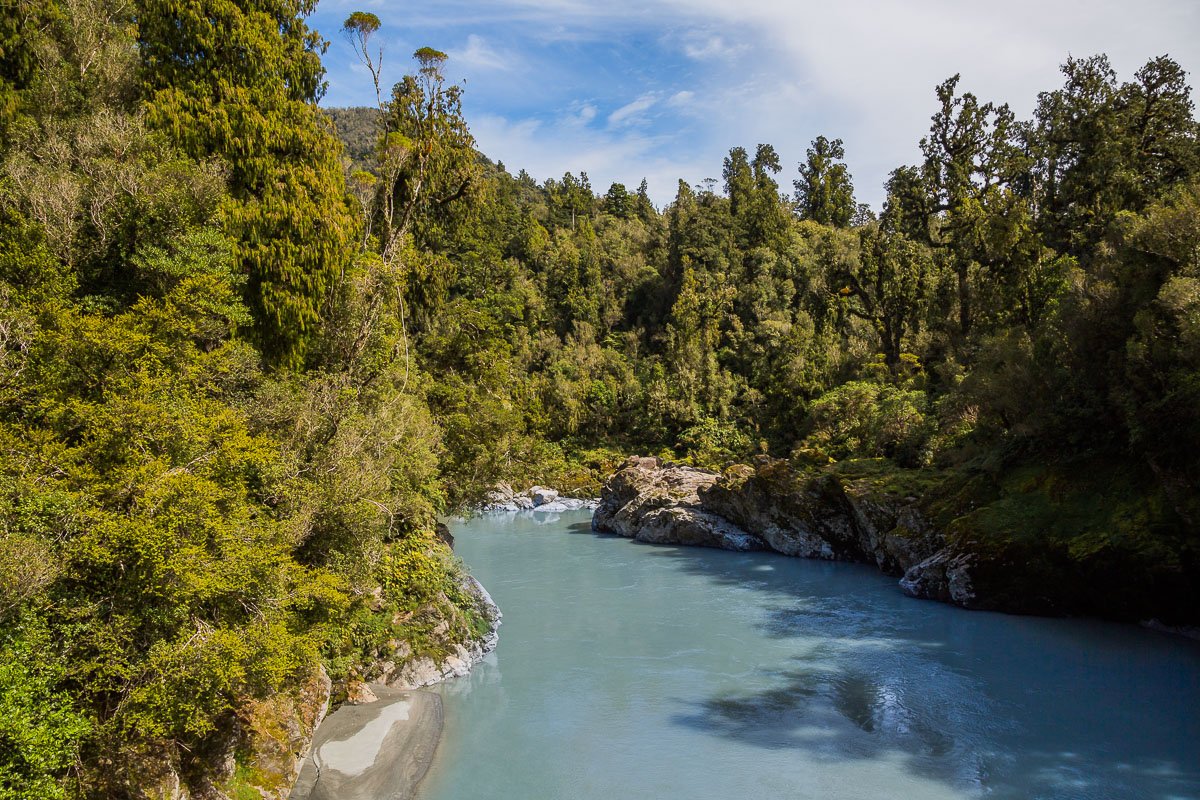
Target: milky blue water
(627,670)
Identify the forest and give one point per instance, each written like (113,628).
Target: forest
(251,349)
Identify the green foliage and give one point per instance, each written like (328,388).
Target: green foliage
(824,192)
(253,107)
(40,729)
(415,571)
(183,533)
(713,444)
(860,419)
(1103,147)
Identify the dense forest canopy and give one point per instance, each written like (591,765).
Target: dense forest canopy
(243,367)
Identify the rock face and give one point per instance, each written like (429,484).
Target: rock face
(765,506)
(825,517)
(279,733)
(652,502)
(769,506)
(944,576)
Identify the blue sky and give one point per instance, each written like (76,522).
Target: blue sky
(662,89)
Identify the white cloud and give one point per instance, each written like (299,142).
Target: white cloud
(867,68)
(702,46)
(548,151)
(478,54)
(681,99)
(631,111)
(580,115)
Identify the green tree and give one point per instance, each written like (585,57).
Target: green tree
(240,83)
(888,287)
(970,155)
(430,177)
(1102,147)
(618,202)
(824,192)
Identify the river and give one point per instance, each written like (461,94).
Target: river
(635,671)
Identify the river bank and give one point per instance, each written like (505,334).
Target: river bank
(379,744)
(373,751)
(1037,540)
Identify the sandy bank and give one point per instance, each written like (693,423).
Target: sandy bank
(376,751)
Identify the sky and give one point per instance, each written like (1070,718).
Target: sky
(662,89)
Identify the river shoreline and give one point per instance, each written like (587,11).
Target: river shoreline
(375,750)
(381,750)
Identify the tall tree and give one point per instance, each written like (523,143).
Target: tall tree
(240,82)
(888,286)
(767,221)
(431,176)
(970,159)
(825,192)
(1102,147)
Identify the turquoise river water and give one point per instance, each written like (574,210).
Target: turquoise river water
(629,671)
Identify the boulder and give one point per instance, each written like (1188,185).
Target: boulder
(359,693)
(654,502)
(565,504)
(541,495)
(501,494)
(944,576)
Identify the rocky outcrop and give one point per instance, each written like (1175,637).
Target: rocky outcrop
(874,513)
(278,732)
(407,672)
(769,505)
(827,516)
(944,576)
(653,502)
(765,506)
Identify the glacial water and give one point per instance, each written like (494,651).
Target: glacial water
(629,671)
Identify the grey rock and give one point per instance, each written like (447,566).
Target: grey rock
(652,502)
(501,494)
(769,506)
(414,673)
(566,504)
(541,495)
(944,576)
